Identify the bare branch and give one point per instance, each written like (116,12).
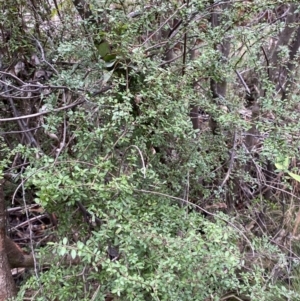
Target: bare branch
(74,104)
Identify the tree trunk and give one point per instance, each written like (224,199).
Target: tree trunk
(7,284)
(219,88)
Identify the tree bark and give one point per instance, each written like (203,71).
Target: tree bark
(7,284)
(84,10)
(219,88)
(16,257)
(280,72)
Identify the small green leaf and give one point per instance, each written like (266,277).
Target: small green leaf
(73,254)
(110,63)
(294,176)
(62,251)
(103,48)
(282,163)
(107,76)
(80,245)
(118,230)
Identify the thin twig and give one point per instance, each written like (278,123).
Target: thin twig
(232,156)
(163,24)
(30,229)
(142,159)
(200,208)
(20,132)
(43,54)
(74,104)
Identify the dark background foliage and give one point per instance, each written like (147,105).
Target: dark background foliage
(159,139)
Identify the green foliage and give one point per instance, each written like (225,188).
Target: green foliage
(125,152)
(162,255)
(283,165)
(4,155)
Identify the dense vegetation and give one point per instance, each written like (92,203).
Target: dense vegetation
(163,139)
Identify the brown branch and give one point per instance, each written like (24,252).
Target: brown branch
(219,89)
(279,73)
(20,132)
(16,257)
(285,35)
(23,126)
(7,285)
(84,10)
(74,104)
